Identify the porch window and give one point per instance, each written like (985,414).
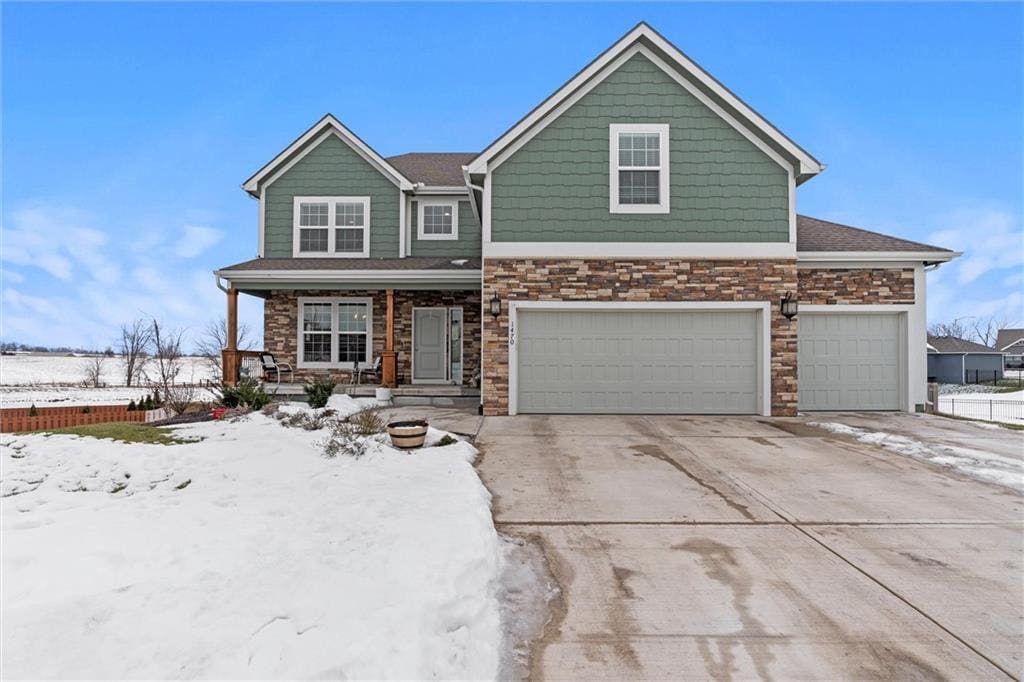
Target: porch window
(438,220)
(328,227)
(335,332)
(638,178)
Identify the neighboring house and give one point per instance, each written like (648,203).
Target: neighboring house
(628,246)
(1010,342)
(959,361)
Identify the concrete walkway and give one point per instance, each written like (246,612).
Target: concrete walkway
(738,548)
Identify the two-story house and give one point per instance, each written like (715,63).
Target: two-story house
(630,245)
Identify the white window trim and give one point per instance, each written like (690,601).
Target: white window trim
(331,226)
(334,301)
(661,129)
(421,204)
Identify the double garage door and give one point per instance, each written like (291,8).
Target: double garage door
(698,362)
(633,361)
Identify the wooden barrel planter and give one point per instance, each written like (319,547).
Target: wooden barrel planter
(408,434)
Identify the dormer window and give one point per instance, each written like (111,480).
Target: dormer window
(437,220)
(332,227)
(638,168)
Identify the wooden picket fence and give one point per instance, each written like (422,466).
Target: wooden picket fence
(13,419)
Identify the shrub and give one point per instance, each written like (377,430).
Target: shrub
(367,423)
(248,392)
(319,391)
(446,439)
(131,406)
(86,410)
(344,439)
(32,411)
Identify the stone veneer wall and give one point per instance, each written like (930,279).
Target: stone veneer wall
(826,286)
(597,279)
(280,327)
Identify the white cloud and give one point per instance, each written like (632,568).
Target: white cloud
(196,239)
(991,240)
(12,277)
(57,240)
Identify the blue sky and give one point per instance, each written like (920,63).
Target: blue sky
(128,128)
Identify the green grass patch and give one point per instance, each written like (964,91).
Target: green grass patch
(124,432)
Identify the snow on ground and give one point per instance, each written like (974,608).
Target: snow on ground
(247,554)
(973,462)
(21,370)
(1000,407)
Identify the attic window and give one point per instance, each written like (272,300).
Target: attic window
(437,220)
(638,168)
(332,227)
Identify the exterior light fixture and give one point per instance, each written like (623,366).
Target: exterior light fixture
(789,306)
(495,305)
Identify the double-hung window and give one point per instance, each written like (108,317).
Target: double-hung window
(327,227)
(437,219)
(638,168)
(335,332)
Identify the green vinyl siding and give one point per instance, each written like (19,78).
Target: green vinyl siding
(466,246)
(723,187)
(332,169)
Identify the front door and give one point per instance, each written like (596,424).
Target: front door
(429,356)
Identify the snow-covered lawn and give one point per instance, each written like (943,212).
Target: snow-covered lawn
(247,554)
(973,462)
(22,370)
(999,407)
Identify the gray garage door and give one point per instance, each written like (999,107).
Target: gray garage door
(849,361)
(675,362)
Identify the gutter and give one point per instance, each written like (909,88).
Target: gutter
(371,276)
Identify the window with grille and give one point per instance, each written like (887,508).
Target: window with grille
(332,226)
(335,332)
(639,168)
(438,220)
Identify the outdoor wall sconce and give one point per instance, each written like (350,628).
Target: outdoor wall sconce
(789,305)
(495,306)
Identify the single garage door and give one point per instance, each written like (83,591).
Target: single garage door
(850,361)
(645,362)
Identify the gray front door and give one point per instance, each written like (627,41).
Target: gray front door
(618,361)
(849,361)
(428,344)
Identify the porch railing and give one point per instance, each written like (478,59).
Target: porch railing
(239,364)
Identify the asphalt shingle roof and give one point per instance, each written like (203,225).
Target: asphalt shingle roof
(951,344)
(433,168)
(813,234)
(1007,337)
(413,263)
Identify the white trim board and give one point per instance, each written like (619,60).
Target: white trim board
(764,341)
(330,276)
(610,250)
(842,256)
(615,130)
(322,129)
(606,63)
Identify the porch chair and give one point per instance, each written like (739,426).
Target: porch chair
(373,371)
(270,364)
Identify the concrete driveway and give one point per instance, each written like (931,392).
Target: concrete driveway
(732,548)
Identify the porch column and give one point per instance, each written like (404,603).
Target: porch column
(388,357)
(229,356)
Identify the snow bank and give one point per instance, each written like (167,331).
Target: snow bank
(976,463)
(272,562)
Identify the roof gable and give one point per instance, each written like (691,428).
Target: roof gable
(321,130)
(645,40)
(1008,338)
(952,344)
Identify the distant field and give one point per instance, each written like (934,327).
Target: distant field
(57,380)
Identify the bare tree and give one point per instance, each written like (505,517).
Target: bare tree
(94,372)
(957,329)
(167,363)
(214,339)
(986,330)
(135,338)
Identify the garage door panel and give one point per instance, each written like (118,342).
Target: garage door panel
(849,361)
(638,361)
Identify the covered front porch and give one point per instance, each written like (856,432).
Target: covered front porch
(420,336)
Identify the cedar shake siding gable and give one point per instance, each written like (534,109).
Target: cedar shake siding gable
(723,188)
(332,168)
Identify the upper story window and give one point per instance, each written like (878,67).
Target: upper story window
(327,227)
(638,168)
(438,220)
